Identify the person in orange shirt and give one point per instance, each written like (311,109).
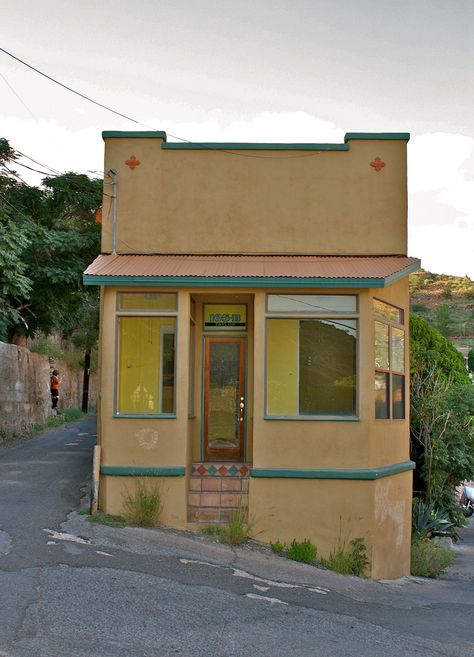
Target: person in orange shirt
(55,390)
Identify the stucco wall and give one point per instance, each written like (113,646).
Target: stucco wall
(195,201)
(24,389)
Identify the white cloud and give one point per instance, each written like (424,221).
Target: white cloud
(444,249)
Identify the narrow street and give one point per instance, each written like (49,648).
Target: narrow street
(73,589)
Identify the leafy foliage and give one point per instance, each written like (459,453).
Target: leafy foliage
(470,360)
(442,409)
(429,520)
(48,235)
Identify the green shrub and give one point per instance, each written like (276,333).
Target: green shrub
(427,519)
(429,559)
(143,505)
(46,347)
(305,551)
(348,562)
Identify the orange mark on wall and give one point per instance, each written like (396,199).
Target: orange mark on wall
(377,163)
(98,216)
(132,162)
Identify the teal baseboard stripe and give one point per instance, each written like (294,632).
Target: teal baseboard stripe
(365,473)
(139,471)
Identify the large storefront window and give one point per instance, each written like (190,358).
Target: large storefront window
(146,355)
(389,362)
(311,362)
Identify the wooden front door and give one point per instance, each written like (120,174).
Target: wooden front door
(224,399)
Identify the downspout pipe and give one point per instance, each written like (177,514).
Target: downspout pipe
(112,173)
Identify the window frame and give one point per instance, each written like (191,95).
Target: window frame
(400,326)
(304,316)
(155,313)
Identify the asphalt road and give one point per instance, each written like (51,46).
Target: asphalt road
(72,589)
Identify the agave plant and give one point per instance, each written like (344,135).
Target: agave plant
(429,520)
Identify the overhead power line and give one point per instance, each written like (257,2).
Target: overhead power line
(203,146)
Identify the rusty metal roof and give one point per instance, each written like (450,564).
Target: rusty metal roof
(140,269)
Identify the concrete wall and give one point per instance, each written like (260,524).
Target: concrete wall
(24,389)
(195,201)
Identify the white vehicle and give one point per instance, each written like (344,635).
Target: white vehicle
(467,500)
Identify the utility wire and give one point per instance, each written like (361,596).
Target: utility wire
(18,96)
(201,145)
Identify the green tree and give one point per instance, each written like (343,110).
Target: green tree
(56,237)
(443,319)
(470,360)
(442,410)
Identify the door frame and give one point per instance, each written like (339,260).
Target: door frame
(239,455)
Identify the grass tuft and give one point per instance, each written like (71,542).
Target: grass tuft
(304,551)
(143,505)
(101,518)
(352,561)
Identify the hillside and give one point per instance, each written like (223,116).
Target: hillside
(446,302)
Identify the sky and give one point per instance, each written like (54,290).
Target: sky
(266,70)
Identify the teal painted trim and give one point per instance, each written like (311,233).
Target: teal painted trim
(245,146)
(138,471)
(234,281)
(378,136)
(368,474)
(315,418)
(119,134)
(124,416)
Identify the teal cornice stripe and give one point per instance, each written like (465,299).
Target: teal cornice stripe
(245,146)
(248,146)
(384,136)
(118,134)
(138,471)
(364,473)
(243,281)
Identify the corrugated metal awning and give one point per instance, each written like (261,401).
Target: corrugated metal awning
(249,270)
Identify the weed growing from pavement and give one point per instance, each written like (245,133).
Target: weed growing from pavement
(348,561)
(303,551)
(234,532)
(143,505)
(101,518)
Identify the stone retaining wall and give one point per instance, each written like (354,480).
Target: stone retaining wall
(25,397)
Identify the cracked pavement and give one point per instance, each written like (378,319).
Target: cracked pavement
(73,589)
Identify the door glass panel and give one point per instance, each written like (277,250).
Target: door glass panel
(224,391)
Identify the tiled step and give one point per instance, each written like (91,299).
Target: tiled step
(216,491)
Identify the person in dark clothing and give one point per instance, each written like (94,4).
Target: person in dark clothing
(55,390)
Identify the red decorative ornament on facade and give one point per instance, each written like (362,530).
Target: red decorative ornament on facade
(377,163)
(132,162)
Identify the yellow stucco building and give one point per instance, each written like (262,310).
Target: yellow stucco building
(254,336)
